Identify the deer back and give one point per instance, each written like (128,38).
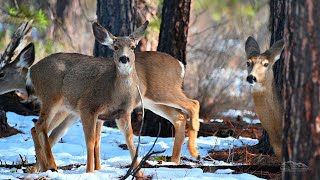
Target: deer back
(158,70)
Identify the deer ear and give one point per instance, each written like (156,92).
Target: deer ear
(138,34)
(273,54)
(102,35)
(26,57)
(252,48)
(276,49)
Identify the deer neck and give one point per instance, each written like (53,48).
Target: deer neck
(127,84)
(265,87)
(268,96)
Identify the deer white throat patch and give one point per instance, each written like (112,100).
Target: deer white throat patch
(124,69)
(257,87)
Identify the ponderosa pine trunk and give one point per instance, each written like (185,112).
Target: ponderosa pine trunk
(301,87)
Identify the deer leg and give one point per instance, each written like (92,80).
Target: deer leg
(89,122)
(97,164)
(55,135)
(46,115)
(192,107)
(39,166)
(180,126)
(178,119)
(61,129)
(124,124)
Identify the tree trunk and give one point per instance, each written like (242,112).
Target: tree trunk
(172,40)
(301,88)
(70,26)
(116,16)
(174,28)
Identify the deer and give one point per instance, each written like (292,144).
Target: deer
(169,101)
(268,104)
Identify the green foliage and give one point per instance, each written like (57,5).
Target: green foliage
(41,19)
(154,25)
(17,15)
(231,9)
(153,28)
(2,34)
(157,158)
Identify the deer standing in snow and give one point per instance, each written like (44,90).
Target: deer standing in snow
(268,105)
(60,77)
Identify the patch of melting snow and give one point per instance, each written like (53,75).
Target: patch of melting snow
(251,121)
(216,120)
(224,171)
(113,158)
(235,113)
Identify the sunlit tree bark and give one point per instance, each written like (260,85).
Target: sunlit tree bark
(301,88)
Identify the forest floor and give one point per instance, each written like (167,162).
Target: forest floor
(224,157)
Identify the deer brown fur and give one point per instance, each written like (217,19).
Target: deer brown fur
(268,104)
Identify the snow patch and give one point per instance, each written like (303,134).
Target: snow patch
(113,158)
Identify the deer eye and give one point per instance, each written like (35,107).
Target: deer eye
(2,74)
(132,47)
(115,47)
(248,64)
(266,64)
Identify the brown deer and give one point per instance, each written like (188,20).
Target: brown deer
(268,104)
(168,102)
(90,88)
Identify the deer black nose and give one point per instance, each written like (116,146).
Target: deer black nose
(124,59)
(251,79)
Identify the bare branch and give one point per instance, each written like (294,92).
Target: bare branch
(20,39)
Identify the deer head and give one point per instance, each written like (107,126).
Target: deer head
(16,60)
(259,66)
(123,47)
(13,75)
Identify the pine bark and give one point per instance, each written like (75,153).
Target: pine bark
(118,16)
(301,88)
(172,40)
(174,28)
